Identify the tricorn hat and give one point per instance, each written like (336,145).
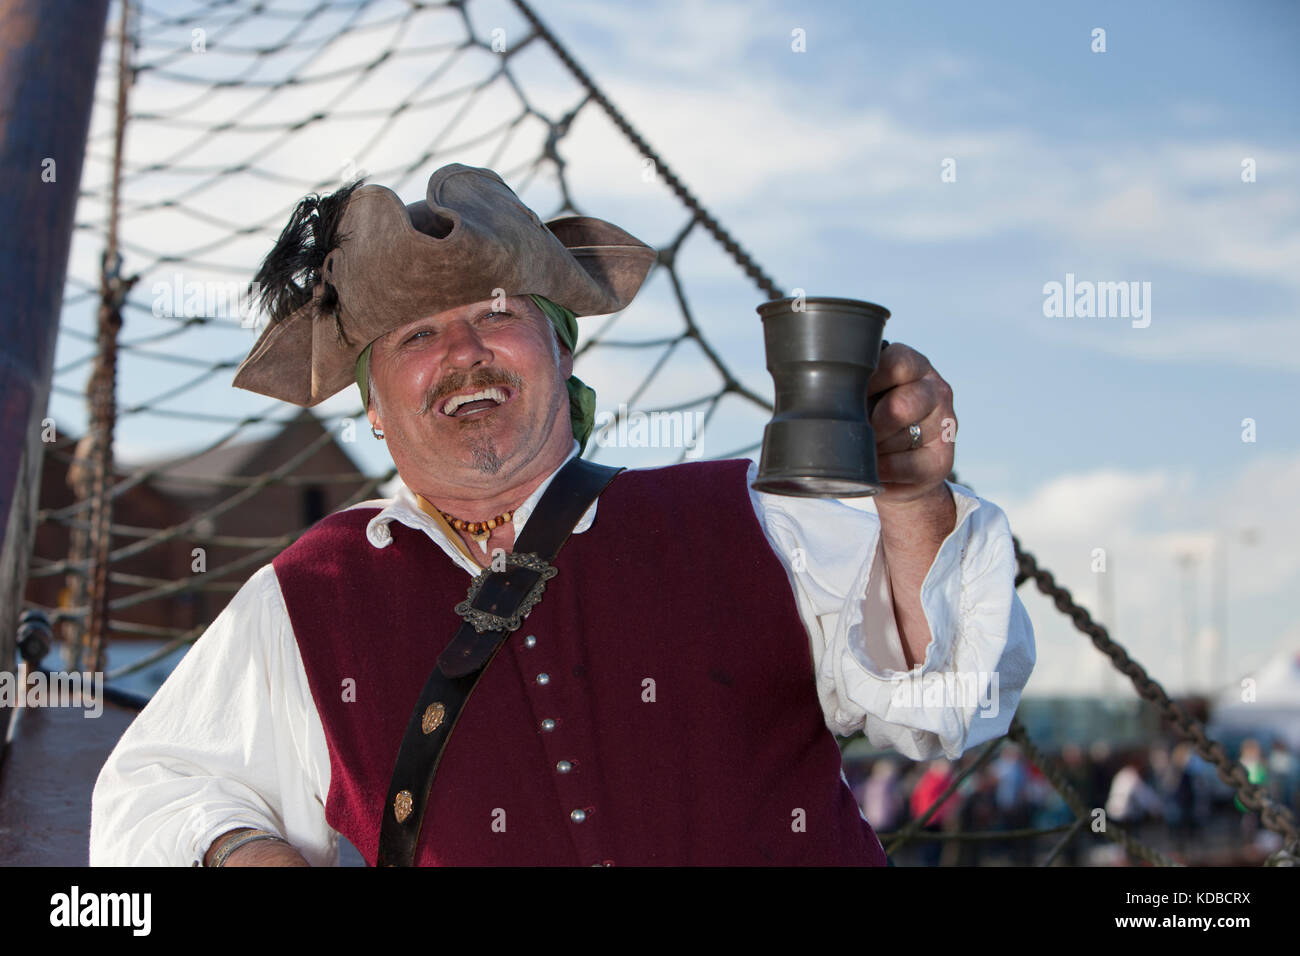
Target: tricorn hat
(352,266)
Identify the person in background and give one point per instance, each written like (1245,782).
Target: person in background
(934,781)
(882,797)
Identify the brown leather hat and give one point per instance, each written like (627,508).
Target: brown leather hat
(371,264)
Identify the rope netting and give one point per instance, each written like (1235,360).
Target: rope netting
(213,118)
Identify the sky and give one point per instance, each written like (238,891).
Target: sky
(947,160)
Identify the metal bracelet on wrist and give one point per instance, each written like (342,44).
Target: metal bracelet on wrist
(234,843)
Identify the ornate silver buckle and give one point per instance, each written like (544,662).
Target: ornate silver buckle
(485,621)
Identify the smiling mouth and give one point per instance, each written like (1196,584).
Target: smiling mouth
(466,404)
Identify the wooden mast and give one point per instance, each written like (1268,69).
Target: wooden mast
(49,62)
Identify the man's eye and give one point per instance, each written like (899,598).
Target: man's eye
(493,316)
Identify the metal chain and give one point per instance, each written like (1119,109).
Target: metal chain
(1252,796)
(1052,771)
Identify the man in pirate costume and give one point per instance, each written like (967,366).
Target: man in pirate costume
(651,664)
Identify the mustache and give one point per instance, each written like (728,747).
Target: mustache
(458,382)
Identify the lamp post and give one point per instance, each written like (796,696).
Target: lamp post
(1187,561)
(1247,536)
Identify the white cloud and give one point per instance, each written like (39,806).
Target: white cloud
(1078,506)
(1147,522)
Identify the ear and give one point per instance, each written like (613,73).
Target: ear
(566,362)
(373,403)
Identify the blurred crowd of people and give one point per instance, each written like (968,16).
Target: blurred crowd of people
(1167,795)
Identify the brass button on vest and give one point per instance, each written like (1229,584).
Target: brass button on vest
(433,717)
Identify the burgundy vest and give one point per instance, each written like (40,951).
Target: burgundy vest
(668,653)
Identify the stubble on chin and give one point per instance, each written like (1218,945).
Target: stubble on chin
(484,454)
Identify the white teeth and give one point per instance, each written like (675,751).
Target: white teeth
(456,401)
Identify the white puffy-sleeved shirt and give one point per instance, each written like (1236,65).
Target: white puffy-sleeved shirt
(233,738)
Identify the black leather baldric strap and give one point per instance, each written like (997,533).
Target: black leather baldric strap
(467,656)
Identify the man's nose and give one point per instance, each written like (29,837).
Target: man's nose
(464,346)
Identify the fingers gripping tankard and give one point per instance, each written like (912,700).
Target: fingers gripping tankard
(820,353)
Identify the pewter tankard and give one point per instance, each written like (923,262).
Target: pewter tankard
(820,352)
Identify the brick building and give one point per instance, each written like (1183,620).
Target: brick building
(236,506)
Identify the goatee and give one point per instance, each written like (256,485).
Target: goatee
(485,456)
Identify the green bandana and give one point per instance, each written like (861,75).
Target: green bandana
(582,398)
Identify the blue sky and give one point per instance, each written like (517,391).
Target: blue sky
(826,165)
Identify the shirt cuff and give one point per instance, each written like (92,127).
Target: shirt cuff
(967,597)
(871,628)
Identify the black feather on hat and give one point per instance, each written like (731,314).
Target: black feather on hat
(293,268)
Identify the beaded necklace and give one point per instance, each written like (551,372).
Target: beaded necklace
(478,530)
